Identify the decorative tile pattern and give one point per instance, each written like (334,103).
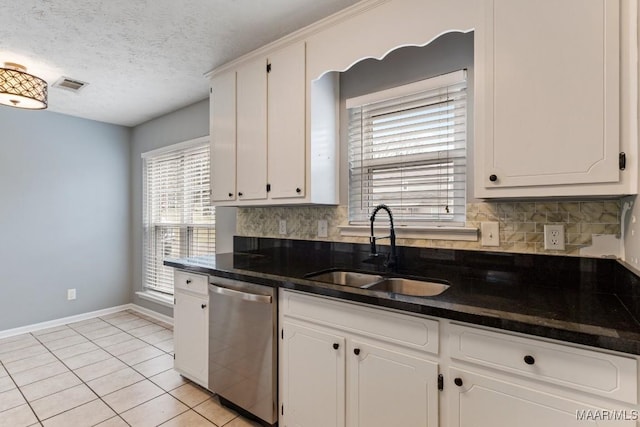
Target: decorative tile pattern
(98,372)
(521,224)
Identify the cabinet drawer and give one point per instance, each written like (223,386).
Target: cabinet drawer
(594,372)
(408,331)
(196,283)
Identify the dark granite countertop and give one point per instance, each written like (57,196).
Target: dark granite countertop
(580,300)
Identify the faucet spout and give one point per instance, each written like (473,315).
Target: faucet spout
(392,262)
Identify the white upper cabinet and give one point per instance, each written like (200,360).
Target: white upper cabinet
(223,137)
(548,100)
(286,102)
(280,156)
(555,98)
(251,143)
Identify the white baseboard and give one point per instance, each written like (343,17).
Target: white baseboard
(84,316)
(63,321)
(151,313)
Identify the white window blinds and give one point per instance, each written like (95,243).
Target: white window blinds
(179,221)
(407,149)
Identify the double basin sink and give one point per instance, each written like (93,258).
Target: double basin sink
(374,282)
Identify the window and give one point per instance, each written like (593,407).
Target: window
(407,149)
(178,219)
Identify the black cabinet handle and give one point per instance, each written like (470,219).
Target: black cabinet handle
(493,178)
(298,190)
(336,346)
(204,306)
(230,194)
(356,351)
(188,281)
(240,193)
(529,360)
(458,382)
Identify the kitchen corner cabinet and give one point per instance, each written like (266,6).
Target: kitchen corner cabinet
(550,102)
(262,151)
(191,326)
(342,365)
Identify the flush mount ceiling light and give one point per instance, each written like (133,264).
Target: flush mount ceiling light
(21,90)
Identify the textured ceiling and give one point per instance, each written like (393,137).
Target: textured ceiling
(141,58)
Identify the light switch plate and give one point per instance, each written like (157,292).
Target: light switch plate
(490,233)
(283,226)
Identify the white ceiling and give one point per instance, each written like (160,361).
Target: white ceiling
(141,58)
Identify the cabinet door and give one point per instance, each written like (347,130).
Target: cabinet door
(312,377)
(485,402)
(252,130)
(549,105)
(191,330)
(286,127)
(222,102)
(389,388)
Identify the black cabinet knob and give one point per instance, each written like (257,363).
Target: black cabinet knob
(493,178)
(230,194)
(188,281)
(336,346)
(356,351)
(240,194)
(298,190)
(458,382)
(529,360)
(204,306)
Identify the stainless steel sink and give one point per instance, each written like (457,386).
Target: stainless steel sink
(346,278)
(408,287)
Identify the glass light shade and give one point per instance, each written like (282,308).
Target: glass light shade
(20,89)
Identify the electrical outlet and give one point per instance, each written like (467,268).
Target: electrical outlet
(323,228)
(490,234)
(71,294)
(554,237)
(283,226)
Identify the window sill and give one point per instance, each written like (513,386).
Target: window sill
(157,297)
(469,234)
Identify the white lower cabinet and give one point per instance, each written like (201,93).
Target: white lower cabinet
(348,364)
(312,377)
(390,388)
(482,401)
(505,380)
(191,326)
(336,371)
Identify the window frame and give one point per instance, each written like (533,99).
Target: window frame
(152,243)
(358,208)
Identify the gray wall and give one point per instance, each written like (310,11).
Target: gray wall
(188,123)
(64,216)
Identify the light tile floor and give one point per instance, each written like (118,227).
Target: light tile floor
(109,371)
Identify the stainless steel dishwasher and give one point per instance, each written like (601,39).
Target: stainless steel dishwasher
(243,346)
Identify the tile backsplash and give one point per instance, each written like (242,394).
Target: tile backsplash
(521,224)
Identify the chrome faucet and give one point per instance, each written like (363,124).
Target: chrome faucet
(392,261)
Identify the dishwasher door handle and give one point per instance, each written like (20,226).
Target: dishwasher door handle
(264,299)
